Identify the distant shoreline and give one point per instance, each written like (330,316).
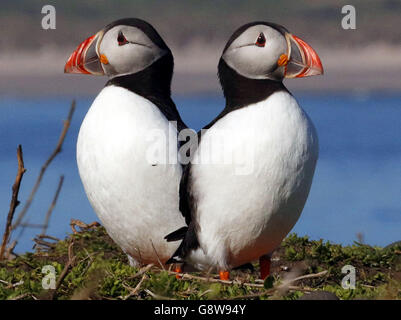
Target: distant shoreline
(358,70)
(193,84)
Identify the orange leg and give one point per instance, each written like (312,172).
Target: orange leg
(179,270)
(264,262)
(224,275)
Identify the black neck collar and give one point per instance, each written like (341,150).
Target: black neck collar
(240,91)
(155,80)
(154,84)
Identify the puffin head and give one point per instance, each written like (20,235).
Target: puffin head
(123,47)
(264,50)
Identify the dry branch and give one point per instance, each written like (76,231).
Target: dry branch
(9,255)
(142,271)
(66,270)
(55,152)
(133,291)
(185,276)
(156,296)
(158,258)
(14,201)
(84,226)
(52,205)
(45,236)
(311,275)
(21,296)
(44,243)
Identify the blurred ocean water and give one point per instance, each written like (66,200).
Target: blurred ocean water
(357,185)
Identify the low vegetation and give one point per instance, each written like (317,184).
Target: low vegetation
(89,265)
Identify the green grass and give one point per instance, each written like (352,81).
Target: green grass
(101,271)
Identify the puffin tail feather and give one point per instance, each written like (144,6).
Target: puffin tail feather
(176,257)
(189,242)
(176,235)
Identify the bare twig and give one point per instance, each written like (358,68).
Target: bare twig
(88,257)
(133,291)
(44,243)
(311,275)
(158,297)
(45,225)
(55,152)
(66,270)
(12,285)
(252,295)
(52,205)
(287,283)
(205,292)
(9,251)
(297,288)
(157,255)
(142,271)
(45,236)
(186,276)
(78,223)
(14,201)
(21,296)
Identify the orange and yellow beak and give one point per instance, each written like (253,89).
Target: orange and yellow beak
(303,60)
(86,59)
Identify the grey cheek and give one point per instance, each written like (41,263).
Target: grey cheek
(109,70)
(247,61)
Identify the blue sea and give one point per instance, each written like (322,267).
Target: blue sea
(356,189)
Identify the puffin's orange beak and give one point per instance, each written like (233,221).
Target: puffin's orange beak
(303,59)
(85,58)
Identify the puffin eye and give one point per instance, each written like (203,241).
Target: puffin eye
(261,40)
(121,39)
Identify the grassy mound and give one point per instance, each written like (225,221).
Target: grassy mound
(89,265)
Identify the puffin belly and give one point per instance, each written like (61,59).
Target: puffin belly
(245,208)
(134,195)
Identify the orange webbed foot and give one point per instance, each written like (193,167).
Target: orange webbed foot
(224,275)
(178,269)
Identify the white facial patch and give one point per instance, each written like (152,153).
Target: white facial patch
(134,56)
(257,62)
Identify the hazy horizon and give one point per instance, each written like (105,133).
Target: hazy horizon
(367,59)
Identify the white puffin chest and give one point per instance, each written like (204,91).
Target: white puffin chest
(135,197)
(256,170)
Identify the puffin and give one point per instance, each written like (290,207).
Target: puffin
(250,176)
(127,146)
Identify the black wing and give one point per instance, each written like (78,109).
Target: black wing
(187,205)
(184,206)
(187,234)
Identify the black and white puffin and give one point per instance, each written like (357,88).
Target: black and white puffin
(131,184)
(251,174)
